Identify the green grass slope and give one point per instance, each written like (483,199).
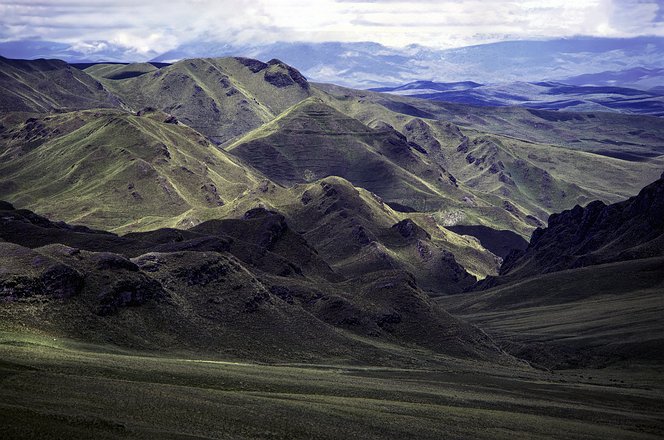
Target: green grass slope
(111,169)
(48,85)
(514,160)
(220,97)
(312,140)
(250,288)
(355,231)
(51,388)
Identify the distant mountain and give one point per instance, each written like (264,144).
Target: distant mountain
(636,78)
(547,95)
(367,64)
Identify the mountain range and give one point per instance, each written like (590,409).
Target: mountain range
(368,64)
(544,95)
(224,228)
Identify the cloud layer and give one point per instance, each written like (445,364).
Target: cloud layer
(149,27)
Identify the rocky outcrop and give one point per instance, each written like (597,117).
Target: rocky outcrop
(595,234)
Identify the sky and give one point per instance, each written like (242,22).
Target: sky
(155,26)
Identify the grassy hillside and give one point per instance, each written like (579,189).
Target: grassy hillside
(247,288)
(312,140)
(528,165)
(48,85)
(111,169)
(632,137)
(593,316)
(49,384)
(220,97)
(594,234)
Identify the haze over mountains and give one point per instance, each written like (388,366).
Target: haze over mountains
(365,65)
(215,210)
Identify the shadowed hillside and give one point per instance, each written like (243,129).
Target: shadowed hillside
(247,288)
(587,291)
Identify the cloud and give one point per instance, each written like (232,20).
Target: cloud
(154,26)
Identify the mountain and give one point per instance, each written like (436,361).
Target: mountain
(595,234)
(223,282)
(47,85)
(368,64)
(221,98)
(503,168)
(587,291)
(125,170)
(636,77)
(540,95)
(312,253)
(313,140)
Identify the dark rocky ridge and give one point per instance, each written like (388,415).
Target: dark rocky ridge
(595,234)
(248,287)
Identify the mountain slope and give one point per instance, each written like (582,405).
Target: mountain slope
(594,316)
(111,169)
(596,234)
(221,98)
(229,300)
(313,140)
(47,85)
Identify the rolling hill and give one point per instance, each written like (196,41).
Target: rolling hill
(112,169)
(220,98)
(48,85)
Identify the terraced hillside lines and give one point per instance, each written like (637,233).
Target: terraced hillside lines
(46,85)
(115,170)
(221,98)
(312,140)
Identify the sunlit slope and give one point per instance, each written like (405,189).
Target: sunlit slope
(219,97)
(111,169)
(526,165)
(47,85)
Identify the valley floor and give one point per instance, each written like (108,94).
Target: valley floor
(62,389)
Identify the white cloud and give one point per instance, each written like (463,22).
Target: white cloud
(153,26)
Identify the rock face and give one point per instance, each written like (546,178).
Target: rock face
(592,235)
